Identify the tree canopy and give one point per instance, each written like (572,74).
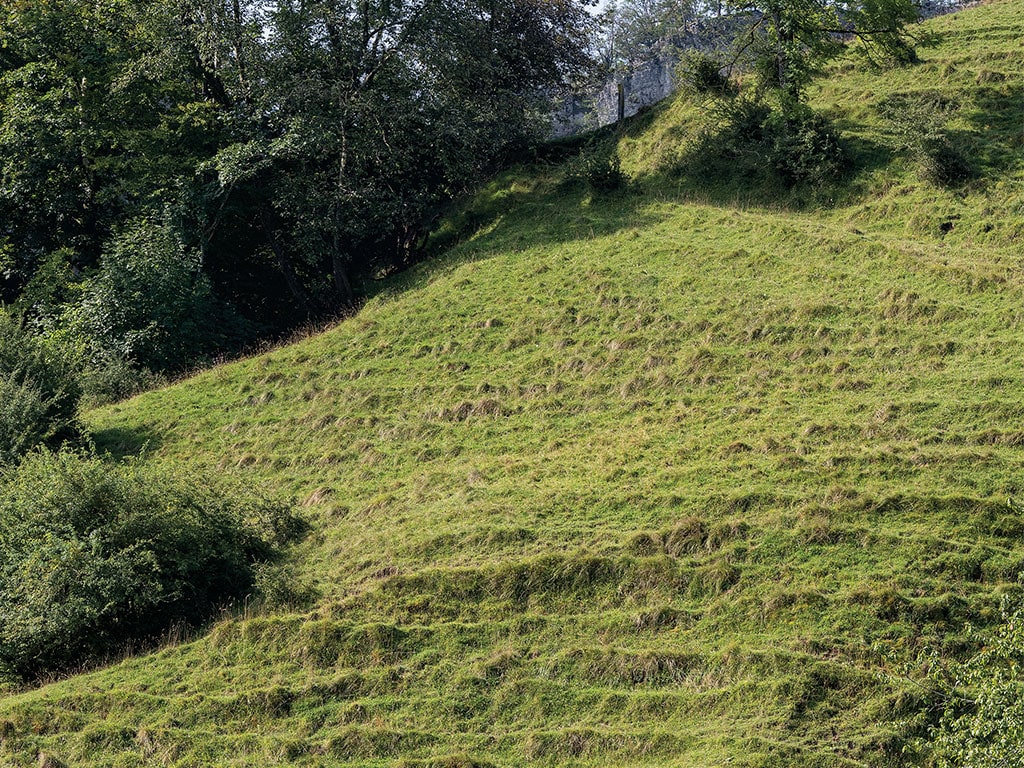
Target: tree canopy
(294,146)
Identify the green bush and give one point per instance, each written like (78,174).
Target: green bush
(751,141)
(598,166)
(806,148)
(107,378)
(701,75)
(38,393)
(982,701)
(94,556)
(150,304)
(918,125)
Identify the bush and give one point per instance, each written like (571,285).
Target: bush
(701,75)
(982,722)
(38,393)
(151,304)
(918,125)
(806,149)
(599,168)
(107,378)
(94,556)
(753,142)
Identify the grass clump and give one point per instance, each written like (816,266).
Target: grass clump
(94,556)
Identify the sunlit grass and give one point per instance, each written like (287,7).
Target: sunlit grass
(668,477)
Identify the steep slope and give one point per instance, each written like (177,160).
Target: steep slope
(634,480)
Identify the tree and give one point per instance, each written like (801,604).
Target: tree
(768,132)
(638,28)
(295,146)
(373,114)
(149,303)
(786,42)
(90,131)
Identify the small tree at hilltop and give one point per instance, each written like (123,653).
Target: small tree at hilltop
(769,130)
(786,42)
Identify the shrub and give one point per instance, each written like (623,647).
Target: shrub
(918,125)
(151,304)
(38,393)
(753,142)
(806,148)
(94,556)
(701,75)
(975,707)
(107,378)
(599,168)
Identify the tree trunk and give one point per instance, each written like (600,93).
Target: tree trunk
(284,262)
(342,286)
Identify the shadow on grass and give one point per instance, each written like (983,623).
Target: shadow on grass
(539,203)
(749,181)
(530,207)
(124,442)
(547,201)
(995,146)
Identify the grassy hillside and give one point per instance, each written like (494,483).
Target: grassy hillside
(677,476)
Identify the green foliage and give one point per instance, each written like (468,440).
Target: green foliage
(806,148)
(788,42)
(638,29)
(702,75)
(90,131)
(918,124)
(598,166)
(982,722)
(93,556)
(38,392)
(300,148)
(149,304)
(107,378)
(755,142)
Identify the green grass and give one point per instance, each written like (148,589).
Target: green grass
(678,476)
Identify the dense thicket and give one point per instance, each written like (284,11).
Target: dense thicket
(94,555)
(274,153)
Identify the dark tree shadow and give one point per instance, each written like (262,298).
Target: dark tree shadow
(539,203)
(124,442)
(995,145)
(697,175)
